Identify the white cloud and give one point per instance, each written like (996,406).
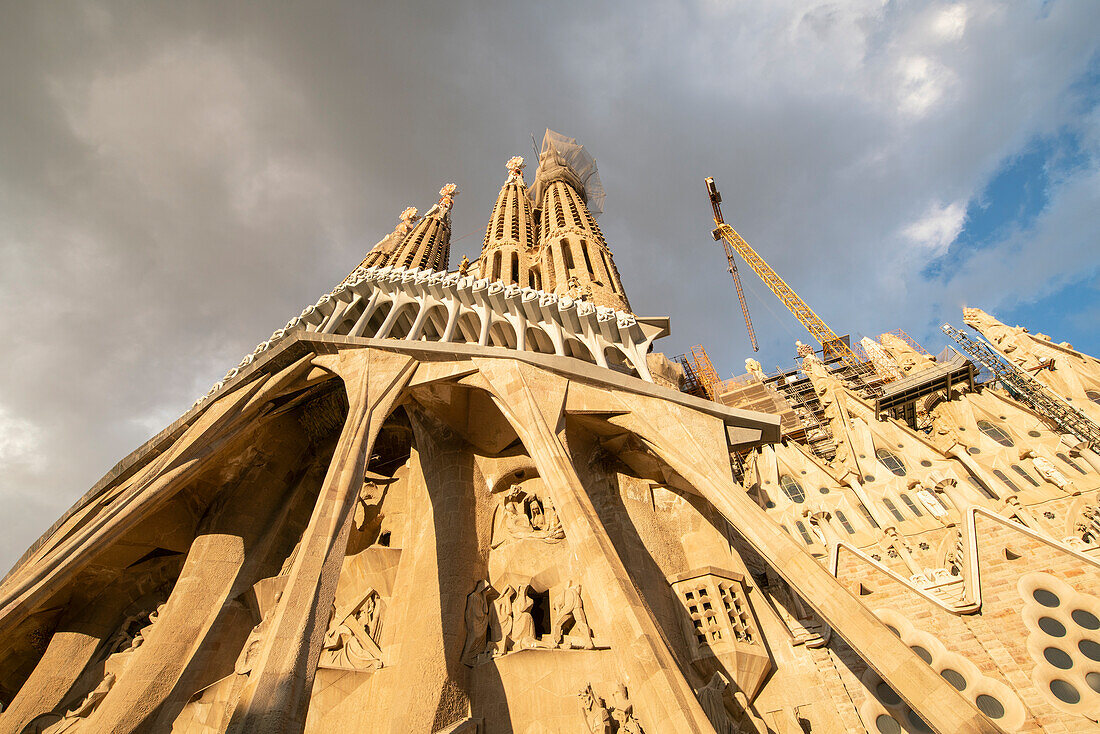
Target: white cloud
(934,232)
(20,444)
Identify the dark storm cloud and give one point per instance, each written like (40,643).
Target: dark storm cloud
(177,180)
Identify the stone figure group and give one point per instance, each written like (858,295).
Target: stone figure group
(499,622)
(351,640)
(524,515)
(604,719)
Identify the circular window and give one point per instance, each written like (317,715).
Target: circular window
(769,504)
(955,678)
(990,706)
(974,450)
(1064,691)
(1093,679)
(925,462)
(824,490)
(1058,657)
(1034,434)
(1090,649)
(917,722)
(1085,619)
(922,653)
(1046,597)
(887,695)
(1052,627)
(803,471)
(869,478)
(887,725)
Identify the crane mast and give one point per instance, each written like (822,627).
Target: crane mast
(813,323)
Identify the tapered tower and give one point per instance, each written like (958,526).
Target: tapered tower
(381,252)
(510,251)
(575,258)
(428,245)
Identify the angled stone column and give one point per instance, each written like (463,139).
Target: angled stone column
(276,697)
(533,401)
(694,445)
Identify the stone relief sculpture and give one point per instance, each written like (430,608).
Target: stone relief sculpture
(500,622)
(596,714)
(351,639)
(523,515)
(712,697)
(570,626)
(615,719)
(1048,471)
(623,712)
(477,623)
(523,624)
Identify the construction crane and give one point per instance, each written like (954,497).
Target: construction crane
(813,323)
(741,295)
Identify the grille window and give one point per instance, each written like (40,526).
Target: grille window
(911,505)
(1069,461)
(893,509)
(1004,478)
(792,489)
(844,522)
(995,433)
(804,533)
(1019,470)
(891,461)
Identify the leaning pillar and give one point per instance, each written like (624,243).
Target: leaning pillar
(694,445)
(276,697)
(532,401)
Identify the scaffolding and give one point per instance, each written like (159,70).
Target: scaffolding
(904,336)
(1026,389)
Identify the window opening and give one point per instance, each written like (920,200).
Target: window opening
(803,532)
(1093,395)
(384,538)
(587,260)
(496,265)
(891,461)
(868,516)
(1069,461)
(844,522)
(911,505)
(792,489)
(515,268)
(540,611)
(995,433)
(567,255)
(531,278)
(1019,470)
(1004,478)
(893,510)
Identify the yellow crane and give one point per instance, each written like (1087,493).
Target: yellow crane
(813,323)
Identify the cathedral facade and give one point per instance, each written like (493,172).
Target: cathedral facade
(477,501)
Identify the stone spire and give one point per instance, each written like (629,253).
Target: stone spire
(379,254)
(509,253)
(428,245)
(575,259)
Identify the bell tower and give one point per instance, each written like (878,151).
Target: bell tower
(428,245)
(509,253)
(575,258)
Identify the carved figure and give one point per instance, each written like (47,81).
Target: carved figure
(623,712)
(501,622)
(523,626)
(753,368)
(570,610)
(712,697)
(464,265)
(350,643)
(526,515)
(87,706)
(596,714)
(1048,471)
(477,622)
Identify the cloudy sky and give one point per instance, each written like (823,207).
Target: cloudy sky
(177,180)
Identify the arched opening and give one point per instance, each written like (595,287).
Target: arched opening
(513,275)
(536,340)
(502,335)
(587,259)
(467,329)
(377,318)
(575,348)
(617,361)
(567,256)
(350,317)
(497,256)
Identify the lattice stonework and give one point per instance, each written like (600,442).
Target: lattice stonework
(717,610)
